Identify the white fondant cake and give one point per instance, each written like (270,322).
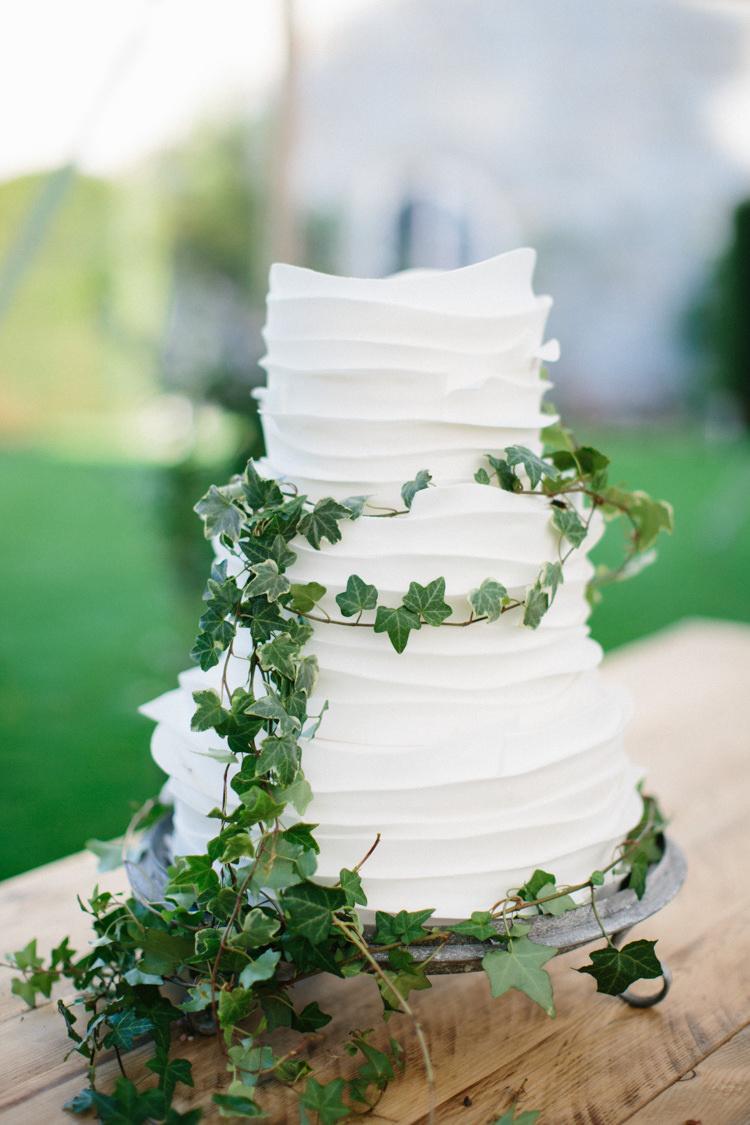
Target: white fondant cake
(478,754)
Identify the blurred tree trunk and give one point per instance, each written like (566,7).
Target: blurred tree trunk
(284,243)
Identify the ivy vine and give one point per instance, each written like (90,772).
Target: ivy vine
(241,923)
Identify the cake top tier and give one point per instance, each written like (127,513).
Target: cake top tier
(371,380)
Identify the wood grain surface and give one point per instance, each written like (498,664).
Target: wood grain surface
(599,1062)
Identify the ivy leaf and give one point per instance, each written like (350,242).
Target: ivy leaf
(307,674)
(209,712)
(206,651)
(262,618)
(27,958)
(479,926)
(376,1070)
(404,976)
(27,989)
(481,476)
(258,928)
(412,487)
(163,951)
(237,1105)
(108,852)
(302,834)
(536,605)
(81,1102)
(535,467)
(397,623)
(614,970)
(323,522)
(193,873)
(262,968)
(234,1005)
(199,998)
(270,707)
(487,599)
(219,514)
(258,548)
(70,1021)
(259,492)
(506,478)
(170,1072)
(406,926)
(529,892)
(298,794)
(233,844)
(355,504)
(280,754)
(309,907)
(221,593)
(137,976)
(125,1027)
(325,1100)
(591,461)
(268,580)
(521,967)
(569,524)
(311,1018)
(126,1106)
(639,859)
(428,602)
(357,597)
(351,884)
(305,596)
(554,906)
(551,578)
(258,804)
(651,517)
(251,1060)
(279,655)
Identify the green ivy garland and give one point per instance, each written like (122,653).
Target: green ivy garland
(244,921)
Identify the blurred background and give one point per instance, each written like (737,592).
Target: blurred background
(157,157)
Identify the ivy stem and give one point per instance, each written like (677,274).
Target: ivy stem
(596,914)
(353,936)
(367,854)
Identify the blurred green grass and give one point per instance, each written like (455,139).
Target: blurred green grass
(93,625)
(703,569)
(95,619)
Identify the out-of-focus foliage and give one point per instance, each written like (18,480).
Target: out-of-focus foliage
(53,336)
(212,206)
(732,315)
(718,327)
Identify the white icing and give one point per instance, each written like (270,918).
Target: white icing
(478,753)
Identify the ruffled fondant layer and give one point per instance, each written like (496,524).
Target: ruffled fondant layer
(479,753)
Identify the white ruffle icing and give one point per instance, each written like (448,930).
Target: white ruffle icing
(478,753)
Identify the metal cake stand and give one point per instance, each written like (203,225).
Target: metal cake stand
(618,909)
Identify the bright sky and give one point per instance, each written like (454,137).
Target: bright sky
(111,79)
(108,80)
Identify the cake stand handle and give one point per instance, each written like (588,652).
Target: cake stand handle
(633,999)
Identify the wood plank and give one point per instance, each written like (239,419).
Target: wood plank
(42,904)
(716,1092)
(688,684)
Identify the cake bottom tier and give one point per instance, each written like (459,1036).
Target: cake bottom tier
(458,826)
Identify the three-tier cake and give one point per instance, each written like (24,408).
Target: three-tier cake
(478,754)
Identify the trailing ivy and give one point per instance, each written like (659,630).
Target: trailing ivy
(239,925)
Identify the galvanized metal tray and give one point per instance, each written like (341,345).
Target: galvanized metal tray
(618,909)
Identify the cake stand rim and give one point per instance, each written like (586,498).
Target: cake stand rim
(618,910)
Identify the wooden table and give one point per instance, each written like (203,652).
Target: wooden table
(599,1062)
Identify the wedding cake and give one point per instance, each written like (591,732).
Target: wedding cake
(477,754)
